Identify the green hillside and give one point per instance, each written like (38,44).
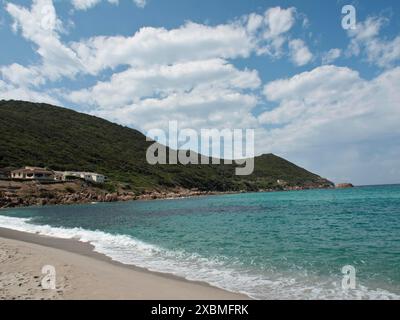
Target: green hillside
(62,139)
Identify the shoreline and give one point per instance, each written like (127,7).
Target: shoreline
(30,194)
(19,194)
(84,274)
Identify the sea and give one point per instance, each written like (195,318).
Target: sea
(311,244)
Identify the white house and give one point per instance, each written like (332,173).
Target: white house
(32,173)
(88,176)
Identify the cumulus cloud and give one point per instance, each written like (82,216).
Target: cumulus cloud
(272,29)
(253,34)
(199,108)
(140,3)
(254,22)
(278,21)
(41,26)
(331,55)
(87,4)
(181,74)
(365,41)
(187,66)
(299,52)
(13,92)
(165,80)
(149,45)
(335,113)
(198,94)
(22,76)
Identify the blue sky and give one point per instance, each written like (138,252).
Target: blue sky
(321,96)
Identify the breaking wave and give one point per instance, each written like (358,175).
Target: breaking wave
(218,271)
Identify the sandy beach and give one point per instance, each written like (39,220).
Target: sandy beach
(82,273)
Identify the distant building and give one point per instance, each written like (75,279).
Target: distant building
(281,182)
(32,173)
(87,176)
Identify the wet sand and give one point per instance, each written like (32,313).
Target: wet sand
(83,274)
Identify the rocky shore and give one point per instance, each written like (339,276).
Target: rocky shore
(23,194)
(31,193)
(344,186)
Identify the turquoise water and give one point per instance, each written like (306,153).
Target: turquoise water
(283,245)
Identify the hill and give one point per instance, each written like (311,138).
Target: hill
(62,139)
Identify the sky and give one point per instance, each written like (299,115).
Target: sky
(322,96)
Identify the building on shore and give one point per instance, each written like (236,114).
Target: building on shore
(42,174)
(281,182)
(32,173)
(87,176)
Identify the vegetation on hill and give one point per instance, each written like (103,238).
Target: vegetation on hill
(61,139)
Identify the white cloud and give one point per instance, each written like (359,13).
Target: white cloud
(331,55)
(84,4)
(278,21)
(199,108)
(333,114)
(306,84)
(365,40)
(22,76)
(164,80)
(87,4)
(299,52)
(41,26)
(149,46)
(208,93)
(140,3)
(182,72)
(368,29)
(254,22)
(38,24)
(12,92)
(271,29)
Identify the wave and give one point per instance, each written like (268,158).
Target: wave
(215,271)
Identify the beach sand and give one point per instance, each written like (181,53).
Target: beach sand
(82,273)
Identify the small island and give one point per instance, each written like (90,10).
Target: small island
(344,186)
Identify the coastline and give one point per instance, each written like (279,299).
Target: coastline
(15,194)
(82,274)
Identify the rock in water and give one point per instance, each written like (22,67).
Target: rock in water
(344,186)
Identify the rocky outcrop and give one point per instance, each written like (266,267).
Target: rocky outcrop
(23,194)
(344,186)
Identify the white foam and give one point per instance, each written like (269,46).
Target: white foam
(233,276)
